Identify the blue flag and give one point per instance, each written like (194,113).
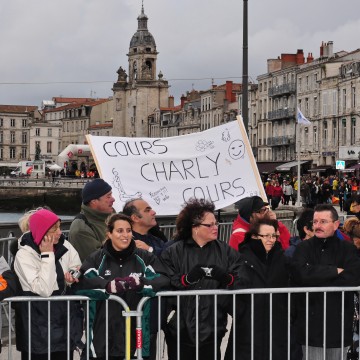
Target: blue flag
(301,119)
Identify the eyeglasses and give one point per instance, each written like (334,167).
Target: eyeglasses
(322,222)
(269,236)
(210,225)
(262,211)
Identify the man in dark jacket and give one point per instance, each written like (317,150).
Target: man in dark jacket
(143,217)
(88,230)
(325,260)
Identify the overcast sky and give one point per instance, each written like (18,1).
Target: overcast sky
(82,43)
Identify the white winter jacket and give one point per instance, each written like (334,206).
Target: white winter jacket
(37,271)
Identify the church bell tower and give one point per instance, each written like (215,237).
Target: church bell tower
(138,93)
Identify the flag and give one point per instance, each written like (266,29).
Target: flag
(301,119)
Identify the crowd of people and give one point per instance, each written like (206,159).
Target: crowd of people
(314,190)
(125,254)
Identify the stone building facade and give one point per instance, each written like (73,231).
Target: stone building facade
(78,119)
(15,121)
(198,111)
(324,89)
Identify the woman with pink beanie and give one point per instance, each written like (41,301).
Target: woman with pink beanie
(42,264)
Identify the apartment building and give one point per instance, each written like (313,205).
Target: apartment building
(78,117)
(325,89)
(15,121)
(198,111)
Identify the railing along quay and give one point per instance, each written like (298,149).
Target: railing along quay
(43,182)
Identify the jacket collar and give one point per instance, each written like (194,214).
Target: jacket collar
(60,248)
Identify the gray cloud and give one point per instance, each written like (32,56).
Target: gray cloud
(46,41)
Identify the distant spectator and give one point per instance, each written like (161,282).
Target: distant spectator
(305,230)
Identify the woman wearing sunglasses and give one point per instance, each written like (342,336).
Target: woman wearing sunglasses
(266,268)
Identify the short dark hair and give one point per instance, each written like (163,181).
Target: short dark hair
(305,219)
(130,209)
(355,199)
(190,216)
(327,207)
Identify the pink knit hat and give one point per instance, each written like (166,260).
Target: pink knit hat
(40,223)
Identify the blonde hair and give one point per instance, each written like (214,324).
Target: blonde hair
(352,227)
(24,220)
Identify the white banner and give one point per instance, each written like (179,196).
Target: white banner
(216,164)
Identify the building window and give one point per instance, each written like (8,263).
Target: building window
(300,84)
(1,122)
(12,153)
(37,132)
(307,106)
(353,97)
(343,132)
(24,153)
(344,99)
(12,122)
(24,137)
(315,105)
(325,133)
(12,137)
(50,132)
(315,137)
(353,130)
(1,137)
(306,137)
(49,147)
(24,122)
(334,132)
(1,153)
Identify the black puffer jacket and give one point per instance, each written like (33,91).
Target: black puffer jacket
(110,266)
(315,263)
(265,270)
(179,259)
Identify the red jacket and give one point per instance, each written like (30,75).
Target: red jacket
(277,191)
(241,227)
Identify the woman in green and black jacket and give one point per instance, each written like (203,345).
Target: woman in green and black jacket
(120,268)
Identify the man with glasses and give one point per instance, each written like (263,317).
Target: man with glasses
(325,260)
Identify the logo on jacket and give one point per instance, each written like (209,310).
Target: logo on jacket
(207,271)
(107,273)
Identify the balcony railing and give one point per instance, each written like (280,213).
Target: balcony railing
(281,140)
(281,114)
(283,89)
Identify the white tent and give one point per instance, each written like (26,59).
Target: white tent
(55,167)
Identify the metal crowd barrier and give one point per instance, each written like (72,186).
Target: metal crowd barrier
(127,313)
(216,294)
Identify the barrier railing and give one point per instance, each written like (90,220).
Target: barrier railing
(232,313)
(127,313)
(253,293)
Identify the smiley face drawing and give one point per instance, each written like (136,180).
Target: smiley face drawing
(237,149)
